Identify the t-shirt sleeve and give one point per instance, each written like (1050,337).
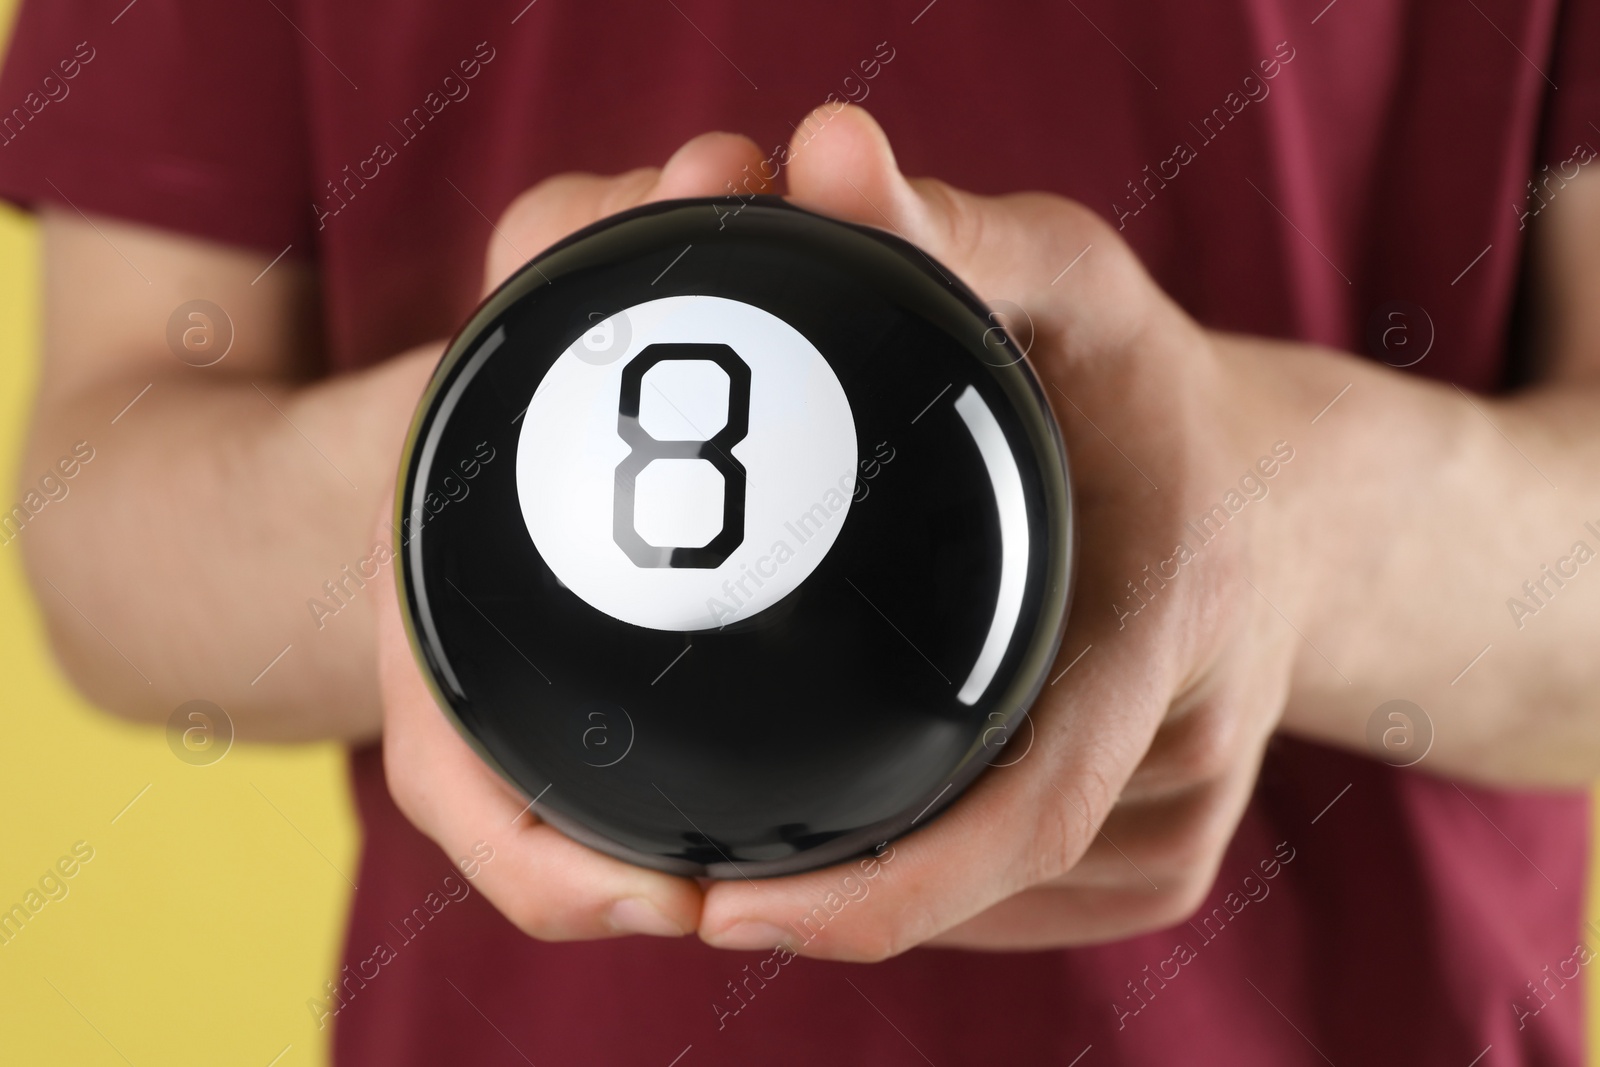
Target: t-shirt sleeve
(182,114)
(1571,128)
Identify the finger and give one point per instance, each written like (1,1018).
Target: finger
(1199,741)
(547,884)
(1030,248)
(1169,844)
(1152,864)
(1175,816)
(558,206)
(1059,918)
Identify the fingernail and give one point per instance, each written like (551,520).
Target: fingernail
(751,936)
(636,915)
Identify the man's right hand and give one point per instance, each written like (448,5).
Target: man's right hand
(549,885)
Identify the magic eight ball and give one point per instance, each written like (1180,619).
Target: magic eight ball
(739,543)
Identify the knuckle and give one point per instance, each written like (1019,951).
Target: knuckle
(531,917)
(1086,227)
(562,193)
(530,201)
(1065,827)
(1068,224)
(876,943)
(1113,275)
(626,190)
(1204,744)
(1207,747)
(1194,845)
(1179,903)
(1079,221)
(1088,224)
(865,941)
(400,778)
(957,219)
(544,920)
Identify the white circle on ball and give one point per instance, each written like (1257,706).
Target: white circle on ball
(799,458)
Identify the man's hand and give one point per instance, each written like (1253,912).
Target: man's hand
(550,886)
(1146,744)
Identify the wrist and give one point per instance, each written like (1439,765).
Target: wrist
(361,419)
(1376,453)
(1305,475)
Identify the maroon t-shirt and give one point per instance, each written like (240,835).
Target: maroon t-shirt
(1284,167)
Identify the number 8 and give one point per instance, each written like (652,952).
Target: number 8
(645,450)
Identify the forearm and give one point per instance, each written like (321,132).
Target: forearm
(181,564)
(1418,518)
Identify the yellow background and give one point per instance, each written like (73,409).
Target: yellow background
(214,905)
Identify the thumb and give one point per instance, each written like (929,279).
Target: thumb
(557,206)
(1055,258)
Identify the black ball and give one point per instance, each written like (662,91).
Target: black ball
(739,544)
